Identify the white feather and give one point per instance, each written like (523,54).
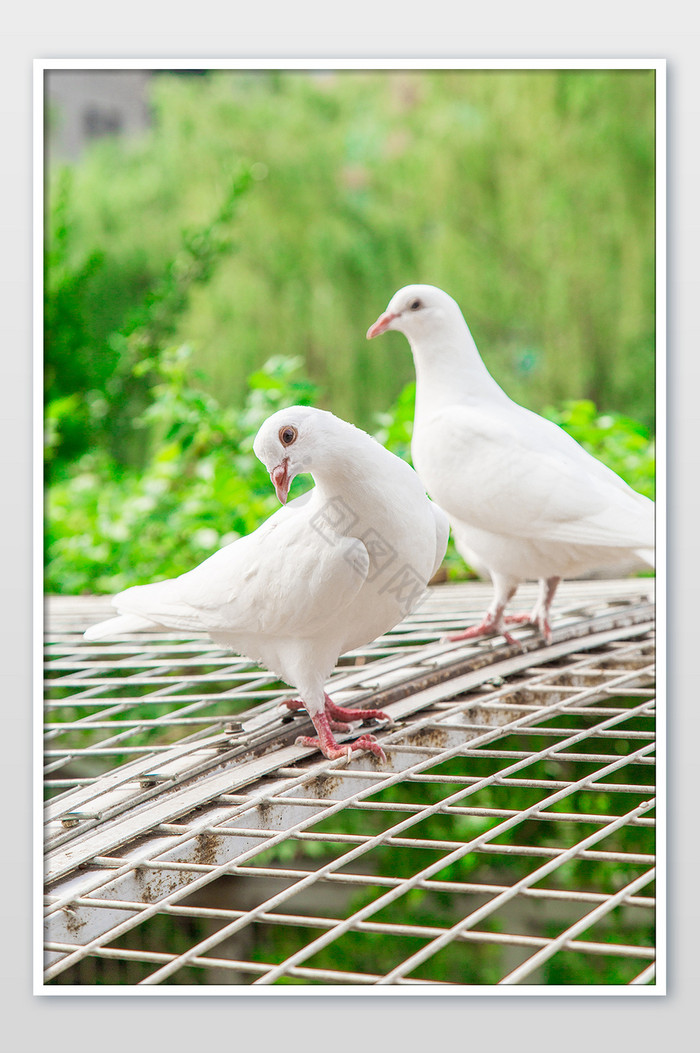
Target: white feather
(328,572)
(525,500)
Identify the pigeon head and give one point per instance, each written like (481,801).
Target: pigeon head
(417,310)
(288,444)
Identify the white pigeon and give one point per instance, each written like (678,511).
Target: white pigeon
(524,499)
(331,571)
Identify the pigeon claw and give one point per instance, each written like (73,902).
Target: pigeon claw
(333,749)
(489,627)
(537,621)
(339,717)
(292,703)
(336,718)
(334,712)
(368,742)
(326,722)
(338,725)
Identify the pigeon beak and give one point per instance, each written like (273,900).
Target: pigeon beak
(381,325)
(281,480)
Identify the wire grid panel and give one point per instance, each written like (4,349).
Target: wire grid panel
(508,840)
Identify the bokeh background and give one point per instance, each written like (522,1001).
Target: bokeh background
(217,243)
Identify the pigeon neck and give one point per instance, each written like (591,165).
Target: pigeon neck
(356,481)
(451,371)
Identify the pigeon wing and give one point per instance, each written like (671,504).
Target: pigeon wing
(281,580)
(534,480)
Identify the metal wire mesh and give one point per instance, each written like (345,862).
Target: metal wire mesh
(508,840)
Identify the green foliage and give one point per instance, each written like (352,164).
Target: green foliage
(201,487)
(137,260)
(395,427)
(109,527)
(528,195)
(94,384)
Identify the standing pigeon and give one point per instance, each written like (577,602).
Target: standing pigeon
(330,571)
(525,501)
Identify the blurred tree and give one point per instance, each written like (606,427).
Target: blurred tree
(111,382)
(528,195)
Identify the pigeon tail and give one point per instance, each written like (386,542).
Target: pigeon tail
(124,623)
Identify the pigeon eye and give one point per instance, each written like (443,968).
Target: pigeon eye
(415,305)
(288,435)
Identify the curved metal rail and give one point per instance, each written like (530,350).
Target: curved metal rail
(190,798)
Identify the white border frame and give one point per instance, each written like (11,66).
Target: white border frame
(41,66)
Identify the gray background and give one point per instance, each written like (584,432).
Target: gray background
(541,29)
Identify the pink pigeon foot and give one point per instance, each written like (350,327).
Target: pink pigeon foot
(334,718)
(296,704)
(539,616)
(538,621)
(325,742)
(490,626)
(339,713)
